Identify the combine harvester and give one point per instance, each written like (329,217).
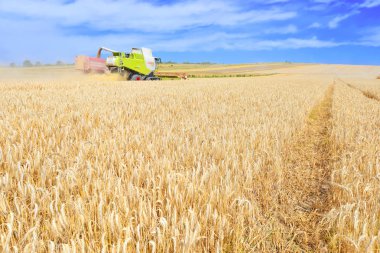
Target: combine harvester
(137,65)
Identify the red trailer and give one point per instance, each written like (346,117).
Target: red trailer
(90,64)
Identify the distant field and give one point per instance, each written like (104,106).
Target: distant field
(284,161)
(226,70)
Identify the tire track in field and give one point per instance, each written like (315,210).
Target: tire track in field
(305,193)
(366,93)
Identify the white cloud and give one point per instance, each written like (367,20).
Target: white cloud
(371,37)
(51,30)
(334,23)
(276,1)
(137,15)
(269,1)
(315,25)
(41,41)
(370,3)
(241,42)
(296,43)
(42,30)
(324,1)
(282,30)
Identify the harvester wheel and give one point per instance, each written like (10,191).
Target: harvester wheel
(136,77)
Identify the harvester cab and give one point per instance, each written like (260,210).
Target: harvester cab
(139,64)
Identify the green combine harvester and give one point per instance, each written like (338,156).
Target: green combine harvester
(137,65)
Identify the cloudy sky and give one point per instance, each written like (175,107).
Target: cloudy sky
(224,31)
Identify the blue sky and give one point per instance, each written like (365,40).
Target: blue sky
(223,31)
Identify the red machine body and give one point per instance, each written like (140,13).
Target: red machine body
(90,64)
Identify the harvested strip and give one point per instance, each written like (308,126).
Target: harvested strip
(366,93)
(304,196)
(371,95)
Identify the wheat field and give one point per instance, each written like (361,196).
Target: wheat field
(280,163)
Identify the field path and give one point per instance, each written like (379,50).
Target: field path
(305,194)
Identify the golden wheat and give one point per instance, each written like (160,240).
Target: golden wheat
(356,181)
(185,166)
